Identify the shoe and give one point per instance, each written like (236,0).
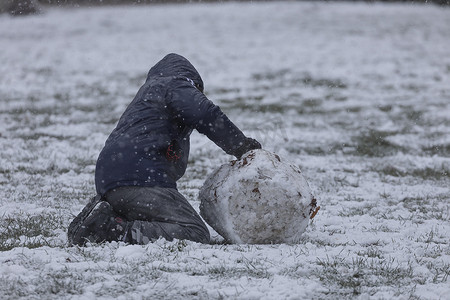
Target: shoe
(75,225)
(101,225)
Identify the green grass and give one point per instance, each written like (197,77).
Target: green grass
(352,277)
(373,143)
(427,173)
(31,231)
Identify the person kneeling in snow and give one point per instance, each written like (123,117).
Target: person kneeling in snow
(137,198)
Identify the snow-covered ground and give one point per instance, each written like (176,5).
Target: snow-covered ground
(358,95)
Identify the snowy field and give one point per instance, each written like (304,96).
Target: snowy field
(357,95)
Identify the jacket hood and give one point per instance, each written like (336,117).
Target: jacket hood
(176,65)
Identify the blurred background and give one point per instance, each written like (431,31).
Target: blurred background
(27,7)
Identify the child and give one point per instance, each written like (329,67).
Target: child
(137,198)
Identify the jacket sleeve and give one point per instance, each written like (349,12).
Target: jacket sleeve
(194,109)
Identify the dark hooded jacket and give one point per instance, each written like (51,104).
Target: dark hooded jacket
(150,145)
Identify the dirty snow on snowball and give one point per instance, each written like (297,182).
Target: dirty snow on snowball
(259,199)
(356,95)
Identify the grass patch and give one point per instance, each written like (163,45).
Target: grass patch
(351,278)
(49,285)
(440,272)
(437,149)
(373,143)
(31,231)
(371,252)
(426,173)
(315,150)
(286,77)
(245,268)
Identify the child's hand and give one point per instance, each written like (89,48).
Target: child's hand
(249,144)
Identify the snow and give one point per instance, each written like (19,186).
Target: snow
(259,199)
(355,94)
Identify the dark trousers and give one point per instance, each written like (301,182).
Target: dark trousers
(156,212)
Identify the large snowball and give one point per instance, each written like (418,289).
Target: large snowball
(259,199)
